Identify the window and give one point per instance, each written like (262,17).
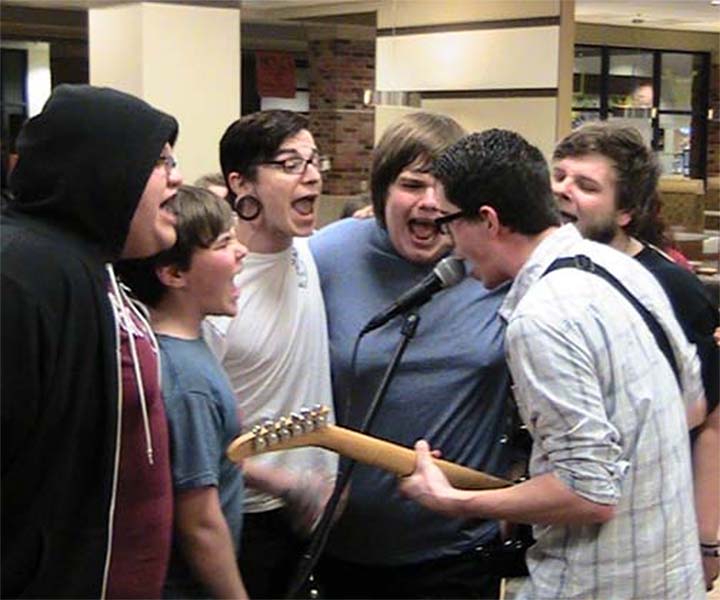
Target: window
(664,94)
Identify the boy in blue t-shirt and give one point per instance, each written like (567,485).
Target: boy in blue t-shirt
(181,286)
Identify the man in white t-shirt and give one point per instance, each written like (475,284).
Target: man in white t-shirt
(275,350)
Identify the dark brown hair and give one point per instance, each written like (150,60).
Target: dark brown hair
(636,169)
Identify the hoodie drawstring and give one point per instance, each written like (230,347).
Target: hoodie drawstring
(120,306)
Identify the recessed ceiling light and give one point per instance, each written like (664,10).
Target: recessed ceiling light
(715,2)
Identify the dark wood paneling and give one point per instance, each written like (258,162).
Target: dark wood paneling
(39,24)
(65,30)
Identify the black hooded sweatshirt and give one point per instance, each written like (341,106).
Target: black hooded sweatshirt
(83,165)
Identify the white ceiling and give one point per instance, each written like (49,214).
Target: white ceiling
(692,15)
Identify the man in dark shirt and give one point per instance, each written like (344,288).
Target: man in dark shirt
(86,490)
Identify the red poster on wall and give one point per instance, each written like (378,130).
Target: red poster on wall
(275,74)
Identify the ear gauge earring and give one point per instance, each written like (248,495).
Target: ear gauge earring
(247,207)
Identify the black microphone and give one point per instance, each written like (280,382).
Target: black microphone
(448,272)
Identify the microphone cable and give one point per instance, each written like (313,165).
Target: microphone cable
(319,537)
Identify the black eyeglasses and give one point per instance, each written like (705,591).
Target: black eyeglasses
(441,223)
(247,207)
(168,161)
(297,165)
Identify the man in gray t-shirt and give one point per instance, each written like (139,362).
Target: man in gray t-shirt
(451,386)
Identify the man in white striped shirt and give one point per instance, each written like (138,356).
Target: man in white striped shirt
(610,493)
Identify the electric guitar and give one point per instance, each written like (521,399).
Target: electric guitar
(310,428)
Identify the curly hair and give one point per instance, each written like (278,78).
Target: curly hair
(499,168)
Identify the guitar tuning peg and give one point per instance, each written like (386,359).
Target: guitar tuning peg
(296,427)
(272,437)
(260,443)
(321,413)
(282,428)
(307,420)
(284,432)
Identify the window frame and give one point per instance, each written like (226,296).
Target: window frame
(699,105)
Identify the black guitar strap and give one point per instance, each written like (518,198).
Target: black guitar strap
(583,262)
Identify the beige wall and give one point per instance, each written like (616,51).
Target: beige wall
(115,48)
(385,115)
(410,13)
(183,59)
(486,59)
(533,117)
(477,114)
(565,65)
(476,70)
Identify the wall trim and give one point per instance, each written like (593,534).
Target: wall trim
(471,26)
(500,93)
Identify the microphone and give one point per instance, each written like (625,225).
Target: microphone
(448,272)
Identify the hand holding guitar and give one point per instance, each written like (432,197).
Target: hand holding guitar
(428,485)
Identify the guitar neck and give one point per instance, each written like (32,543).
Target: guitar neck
(374,451)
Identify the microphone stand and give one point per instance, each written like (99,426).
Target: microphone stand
(319,537)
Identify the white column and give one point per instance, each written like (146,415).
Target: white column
(184,60)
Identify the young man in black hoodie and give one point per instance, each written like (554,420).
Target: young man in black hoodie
(86,492)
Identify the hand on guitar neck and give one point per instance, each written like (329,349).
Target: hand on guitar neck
(310,428)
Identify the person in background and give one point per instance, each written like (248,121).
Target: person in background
(605,180)
(275,349)
(610,488)
(86,489)
(213,182)
(452,385)
(181,286)
(355,206)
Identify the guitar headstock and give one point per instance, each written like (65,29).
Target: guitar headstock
(286,432)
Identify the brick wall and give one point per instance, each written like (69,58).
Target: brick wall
(340,72)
